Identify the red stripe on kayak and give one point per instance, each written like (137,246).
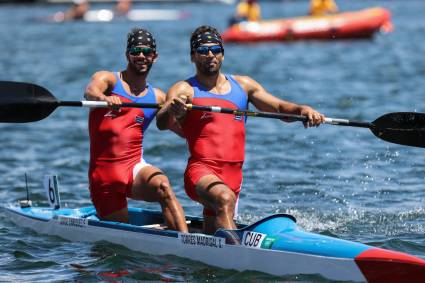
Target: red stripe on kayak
(384,266)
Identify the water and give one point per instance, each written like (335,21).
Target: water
(337,181)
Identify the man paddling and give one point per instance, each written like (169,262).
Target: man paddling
(117,168)
(216,141)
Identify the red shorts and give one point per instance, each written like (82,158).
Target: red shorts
(111,185)
(229,172)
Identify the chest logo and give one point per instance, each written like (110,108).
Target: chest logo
(110,114)
(206,115)
(139,119)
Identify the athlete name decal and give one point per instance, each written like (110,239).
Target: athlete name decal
(74,222)
(201,240)
(253,239)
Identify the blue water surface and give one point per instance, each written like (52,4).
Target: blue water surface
(338,181)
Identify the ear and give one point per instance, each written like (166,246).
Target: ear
(127,56)
(155,57)
(191,57)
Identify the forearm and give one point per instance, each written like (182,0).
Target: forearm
(94,93)
(177,129)
(163,118)
(290,108)
(172,113)
(167,121)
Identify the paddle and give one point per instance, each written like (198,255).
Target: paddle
(26,102)
(405,128)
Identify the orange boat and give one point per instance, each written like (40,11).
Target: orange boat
(357,24)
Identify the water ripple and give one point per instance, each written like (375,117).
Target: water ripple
(338,181)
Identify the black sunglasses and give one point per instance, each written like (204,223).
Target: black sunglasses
(203,50)
(135,51)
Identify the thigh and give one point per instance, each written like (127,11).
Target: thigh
(195,170)
(231,174)
(146,182)
(118,215)
(108,201)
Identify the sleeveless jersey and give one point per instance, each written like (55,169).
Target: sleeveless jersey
(216,136)
(116,138)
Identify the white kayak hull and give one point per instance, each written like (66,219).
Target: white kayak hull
(73,225)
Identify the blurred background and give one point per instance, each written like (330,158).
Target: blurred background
(336,181)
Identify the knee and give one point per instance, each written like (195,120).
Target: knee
(226,201)
(164,191)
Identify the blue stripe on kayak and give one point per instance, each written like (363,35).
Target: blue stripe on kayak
(24,213)
(309,243)
(46,214)
(288,237)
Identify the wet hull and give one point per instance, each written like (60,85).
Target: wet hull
(273,245)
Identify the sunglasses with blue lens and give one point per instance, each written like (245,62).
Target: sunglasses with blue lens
(135,51)
(203,50)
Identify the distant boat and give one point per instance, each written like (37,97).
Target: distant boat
(355,24)
(135,15)
(106,15)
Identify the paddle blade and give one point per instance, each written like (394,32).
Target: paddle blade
(24,102)
(406,128)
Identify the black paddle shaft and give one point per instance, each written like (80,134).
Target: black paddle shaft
(405,128)
(25,102)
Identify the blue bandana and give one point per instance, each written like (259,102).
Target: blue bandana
(204,38)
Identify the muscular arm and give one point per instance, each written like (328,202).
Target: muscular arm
(160,96)
(265,101)
(174,110)
(100,86)
(160,99)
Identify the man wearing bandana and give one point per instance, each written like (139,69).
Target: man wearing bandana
(117,170)
(216,141)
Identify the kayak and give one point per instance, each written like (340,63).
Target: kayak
(356,24)
(273,245)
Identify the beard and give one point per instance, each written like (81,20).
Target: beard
(208,69)
(140,71)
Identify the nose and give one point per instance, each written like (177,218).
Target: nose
(209,54)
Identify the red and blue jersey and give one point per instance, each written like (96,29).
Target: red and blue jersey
(116,138)
(216,136)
